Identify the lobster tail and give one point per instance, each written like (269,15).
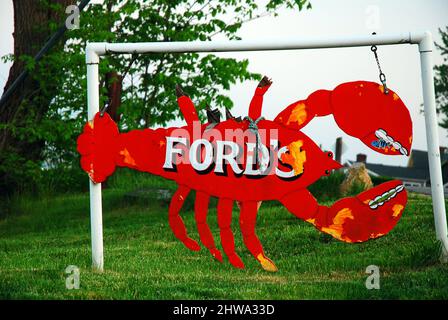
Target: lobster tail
(103,148)
(98,147)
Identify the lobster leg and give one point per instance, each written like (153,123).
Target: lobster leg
(175,220)
(248,217)
(201,209)
(227,241)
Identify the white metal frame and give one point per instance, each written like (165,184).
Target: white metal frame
(422,39)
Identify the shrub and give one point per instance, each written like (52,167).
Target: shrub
(381,179)
(327,188)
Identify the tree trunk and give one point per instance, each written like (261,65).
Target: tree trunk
(114,84)
(28,102)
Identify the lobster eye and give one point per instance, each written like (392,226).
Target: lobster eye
(330,154)
(327,172)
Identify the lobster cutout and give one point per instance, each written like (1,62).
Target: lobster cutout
(252,160)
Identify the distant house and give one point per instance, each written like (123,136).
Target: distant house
(416,173)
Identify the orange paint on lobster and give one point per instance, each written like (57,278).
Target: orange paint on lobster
(254,160)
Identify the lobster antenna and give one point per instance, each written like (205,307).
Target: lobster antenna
(264,82)
(179,91)
(229,115)
(213,116)
(186,106)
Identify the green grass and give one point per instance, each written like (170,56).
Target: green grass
(143,260)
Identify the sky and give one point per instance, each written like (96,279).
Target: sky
(297,73)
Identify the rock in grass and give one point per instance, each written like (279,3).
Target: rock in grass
(357,180)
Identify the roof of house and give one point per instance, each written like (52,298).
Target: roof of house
(419,158)
(399,172)
(417,169)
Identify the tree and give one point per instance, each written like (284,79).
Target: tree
(147,81)
(20,149)
(441,80)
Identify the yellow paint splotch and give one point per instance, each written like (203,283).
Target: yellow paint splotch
(397,209)
(296,156)
(336,228)
(266,263)
(298,114)
(127,157)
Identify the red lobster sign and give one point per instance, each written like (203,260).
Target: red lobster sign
(252,160)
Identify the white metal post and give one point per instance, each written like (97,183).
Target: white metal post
(432,138)
(96,214)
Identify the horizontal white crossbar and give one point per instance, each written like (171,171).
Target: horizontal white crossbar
(102,48)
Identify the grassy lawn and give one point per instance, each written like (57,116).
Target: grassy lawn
(143,260)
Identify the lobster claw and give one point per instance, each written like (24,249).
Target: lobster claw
(380,120)
(98,147)
(362,110)
(369,215)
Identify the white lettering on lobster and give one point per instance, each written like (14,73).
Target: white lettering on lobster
(280,173)
(171,151)
(201,155)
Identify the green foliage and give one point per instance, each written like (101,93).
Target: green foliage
(149,79)
(441,79)
(356,188)
(327,188)
(381,179)
(131,180)
(62,180)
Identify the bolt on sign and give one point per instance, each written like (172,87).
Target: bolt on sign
(249,160)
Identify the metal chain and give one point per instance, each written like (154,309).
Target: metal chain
(382,75)
(253,127)
(104,109)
